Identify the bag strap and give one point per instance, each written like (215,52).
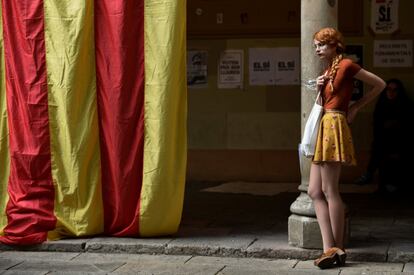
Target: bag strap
(318,96)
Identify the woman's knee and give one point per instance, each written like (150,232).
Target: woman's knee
(315,194)
(331,194)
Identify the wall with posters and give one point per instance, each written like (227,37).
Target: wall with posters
(249,130)
(259,18)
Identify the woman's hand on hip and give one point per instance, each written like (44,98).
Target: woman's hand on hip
(352,112)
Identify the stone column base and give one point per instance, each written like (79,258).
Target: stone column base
(304,232)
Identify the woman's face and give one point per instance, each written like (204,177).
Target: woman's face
(324,51)
(392,91)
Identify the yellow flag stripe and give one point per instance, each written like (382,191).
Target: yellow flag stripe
(70,59)
(165,117)
(4,135)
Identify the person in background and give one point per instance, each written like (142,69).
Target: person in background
(334,146)
(391,153)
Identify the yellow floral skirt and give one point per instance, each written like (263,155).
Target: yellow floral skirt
(334,143)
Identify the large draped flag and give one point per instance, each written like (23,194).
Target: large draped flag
(93,118)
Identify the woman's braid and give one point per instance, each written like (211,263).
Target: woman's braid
(334,69)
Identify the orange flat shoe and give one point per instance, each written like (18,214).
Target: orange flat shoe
(340,257)
(327,259)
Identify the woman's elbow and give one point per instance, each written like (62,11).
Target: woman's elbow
(381,84)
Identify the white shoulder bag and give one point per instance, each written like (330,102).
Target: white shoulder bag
(310,133)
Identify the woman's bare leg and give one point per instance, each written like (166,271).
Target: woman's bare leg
(321,206)
(330,173)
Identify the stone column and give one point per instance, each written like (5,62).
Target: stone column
(315,14)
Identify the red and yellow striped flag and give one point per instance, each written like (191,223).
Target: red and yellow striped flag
(93,118)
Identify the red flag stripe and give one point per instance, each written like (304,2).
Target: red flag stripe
(119,38)
(30,206)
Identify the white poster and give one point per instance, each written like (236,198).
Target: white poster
(197,69)
(393,53)
(384,16)
(287,62)
(230,69)
(261,66)
(274,66)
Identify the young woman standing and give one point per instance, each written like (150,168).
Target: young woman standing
(334,144)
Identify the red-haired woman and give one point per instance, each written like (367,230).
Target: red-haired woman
(334,144)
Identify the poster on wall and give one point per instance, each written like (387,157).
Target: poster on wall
(393,53)
(230,69)
(197,69)
(287,62)
(355,53)
(384,16)
(274,66)
(261,66)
